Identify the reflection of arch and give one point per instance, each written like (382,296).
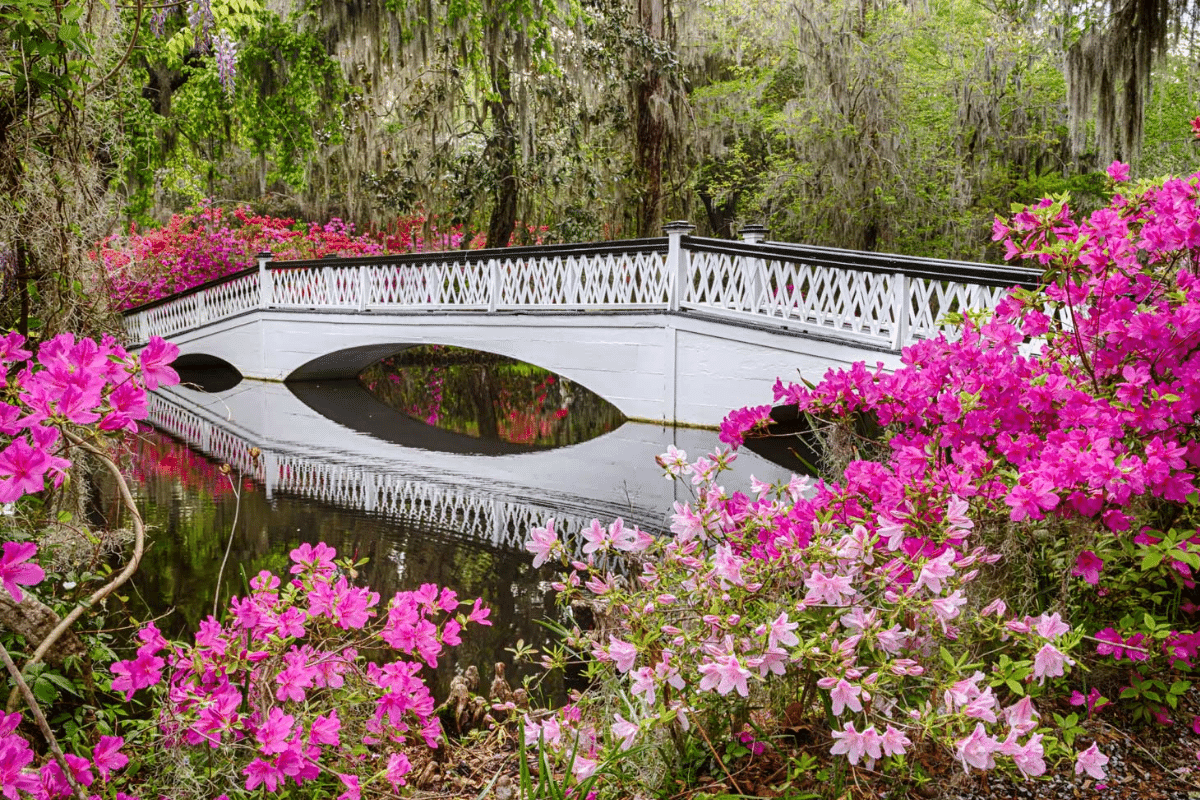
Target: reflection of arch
(349,362)
(348,403)
(208,372)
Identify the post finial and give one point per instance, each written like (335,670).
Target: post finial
(754,233)
(679,227)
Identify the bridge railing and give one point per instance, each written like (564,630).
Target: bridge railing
(883,301)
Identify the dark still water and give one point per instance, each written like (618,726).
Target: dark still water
(425,503)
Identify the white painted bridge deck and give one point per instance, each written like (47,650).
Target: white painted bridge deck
(677,330)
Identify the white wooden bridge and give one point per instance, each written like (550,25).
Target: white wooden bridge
(493,500)
(678,329)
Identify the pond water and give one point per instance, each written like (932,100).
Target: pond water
(431,480)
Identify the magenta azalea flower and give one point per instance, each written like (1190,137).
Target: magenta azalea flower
(15,569)
(1088,567)
(1118,172)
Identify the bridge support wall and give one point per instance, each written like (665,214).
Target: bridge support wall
(675,368)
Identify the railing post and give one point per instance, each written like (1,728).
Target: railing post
(494,291)
(677,261)
(901,305)
(755,234)
(363,286)
(270,463)
(266,292)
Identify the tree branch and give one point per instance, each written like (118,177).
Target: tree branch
(139,547)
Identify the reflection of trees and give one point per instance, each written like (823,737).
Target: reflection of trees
(489,396)
(189,513)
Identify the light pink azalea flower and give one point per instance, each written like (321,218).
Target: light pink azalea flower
(542,542)
(1049,663)
(1092,762)
(935,571)
(625,730)
(725,675)
(623,654)
(976,750)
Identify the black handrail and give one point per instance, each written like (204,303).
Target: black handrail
(913,266)
(655,245)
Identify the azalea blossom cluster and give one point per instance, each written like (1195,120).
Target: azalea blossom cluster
(283,689)
(49,782)
(69,383)
(1063,426)
(209,242)
(806,588)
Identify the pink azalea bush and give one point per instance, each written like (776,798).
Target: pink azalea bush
(282,692)
(80,387)
(1027,510)
(210,242)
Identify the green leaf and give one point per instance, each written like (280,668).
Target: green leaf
(45,691)
(948,659)
(61,682)
(1151,560)
(1015,687)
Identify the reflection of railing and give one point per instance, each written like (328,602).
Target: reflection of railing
(501,522)
(877,300)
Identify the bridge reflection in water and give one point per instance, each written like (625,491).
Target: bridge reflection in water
(370,481)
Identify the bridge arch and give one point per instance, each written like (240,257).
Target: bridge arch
(348,363)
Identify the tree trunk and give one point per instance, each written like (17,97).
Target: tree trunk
(500,154)
(650,124)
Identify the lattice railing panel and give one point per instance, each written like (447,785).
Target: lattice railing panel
(317,287)
(718,280)
(192,310)
(457,284)
(846,302)
(929,301)
(600,280)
